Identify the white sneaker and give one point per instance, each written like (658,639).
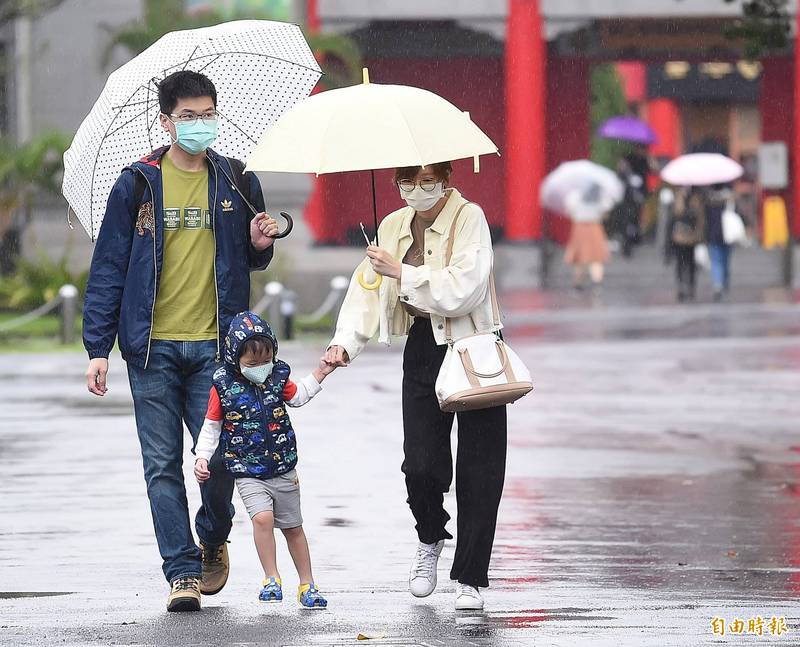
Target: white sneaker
(422,578)
(468,598)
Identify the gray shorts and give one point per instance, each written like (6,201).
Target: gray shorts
(279,495)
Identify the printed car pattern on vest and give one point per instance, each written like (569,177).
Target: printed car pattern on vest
(257,438)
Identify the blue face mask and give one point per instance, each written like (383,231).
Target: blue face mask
(257,374)
(196,137)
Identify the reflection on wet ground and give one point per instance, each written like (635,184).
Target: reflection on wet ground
(652,486)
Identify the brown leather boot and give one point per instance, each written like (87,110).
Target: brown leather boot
(216,566)
(185,595)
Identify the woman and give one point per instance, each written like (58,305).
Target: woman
(685,233)
(417,293)
(716,200)
(587,246)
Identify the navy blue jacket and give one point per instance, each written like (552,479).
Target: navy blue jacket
(128,256)
(257,438)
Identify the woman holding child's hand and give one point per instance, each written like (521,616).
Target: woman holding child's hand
(417,296)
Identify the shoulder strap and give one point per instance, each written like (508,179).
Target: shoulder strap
(139,186)
(448,328)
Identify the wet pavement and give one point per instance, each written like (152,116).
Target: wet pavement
(653,486)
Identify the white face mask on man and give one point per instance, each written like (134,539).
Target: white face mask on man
(421,200)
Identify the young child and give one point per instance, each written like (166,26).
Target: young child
(247,415)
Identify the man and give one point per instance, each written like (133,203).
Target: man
(169,272)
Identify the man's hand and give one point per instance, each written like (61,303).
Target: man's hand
(384,263)
(96,376)
(201,471)
(336,356)
(263,230)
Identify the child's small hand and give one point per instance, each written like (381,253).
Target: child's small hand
(201,470)
(325,367)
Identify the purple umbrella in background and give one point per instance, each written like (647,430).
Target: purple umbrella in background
(629,129)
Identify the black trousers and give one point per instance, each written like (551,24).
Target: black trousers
(685,269)
(428,462)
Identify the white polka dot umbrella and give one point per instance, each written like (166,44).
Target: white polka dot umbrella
(260,69)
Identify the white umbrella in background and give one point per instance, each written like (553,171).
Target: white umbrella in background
(701,169)
(260,69)
(581,183)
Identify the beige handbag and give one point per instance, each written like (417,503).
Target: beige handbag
(479,371)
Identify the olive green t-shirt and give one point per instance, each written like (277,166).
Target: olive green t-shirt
(186,303)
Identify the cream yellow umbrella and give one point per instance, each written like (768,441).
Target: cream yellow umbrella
(367,127)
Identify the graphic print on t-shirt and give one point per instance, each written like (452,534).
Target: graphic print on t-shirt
(186,302)
(190,220)
(172,219)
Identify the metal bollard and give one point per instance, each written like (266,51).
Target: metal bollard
(69,311)
(339,284)
(274,290)
(288,309)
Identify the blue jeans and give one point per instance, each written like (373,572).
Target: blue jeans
(174,389)
(720,266)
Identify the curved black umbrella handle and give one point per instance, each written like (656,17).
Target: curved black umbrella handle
(289,226)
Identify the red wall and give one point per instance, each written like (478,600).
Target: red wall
(776,104)
(475,85)
(568,124)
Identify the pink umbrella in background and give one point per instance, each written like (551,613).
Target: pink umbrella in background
(701,169)
(629,129)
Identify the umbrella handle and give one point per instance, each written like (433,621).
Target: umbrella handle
(289,226)
(369,286)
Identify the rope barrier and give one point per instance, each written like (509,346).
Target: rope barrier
(67,300)
(33,315)
(280,303)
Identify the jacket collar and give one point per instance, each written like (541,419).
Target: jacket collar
(151,163)
(443,221)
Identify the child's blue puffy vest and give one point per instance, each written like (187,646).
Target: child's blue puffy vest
(257,439)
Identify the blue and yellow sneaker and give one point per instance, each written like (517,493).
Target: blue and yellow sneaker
(272,591)
(309,597)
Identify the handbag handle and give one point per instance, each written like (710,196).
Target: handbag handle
(448,332)
(466,360)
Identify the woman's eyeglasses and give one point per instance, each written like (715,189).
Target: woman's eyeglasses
(407,186)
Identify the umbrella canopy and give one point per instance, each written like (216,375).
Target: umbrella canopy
(701,169)
(629,129)
(581,189)
(251,63)
(366,127)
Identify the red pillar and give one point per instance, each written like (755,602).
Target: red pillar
(525,119)
(664,118)
(794,157)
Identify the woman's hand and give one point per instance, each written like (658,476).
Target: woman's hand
(384,263)
(336,356)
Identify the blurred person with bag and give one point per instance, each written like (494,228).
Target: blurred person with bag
(686,231)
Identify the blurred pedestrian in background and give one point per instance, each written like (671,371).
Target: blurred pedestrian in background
(625,224)
(686,231)
(588,245)
(717,198)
